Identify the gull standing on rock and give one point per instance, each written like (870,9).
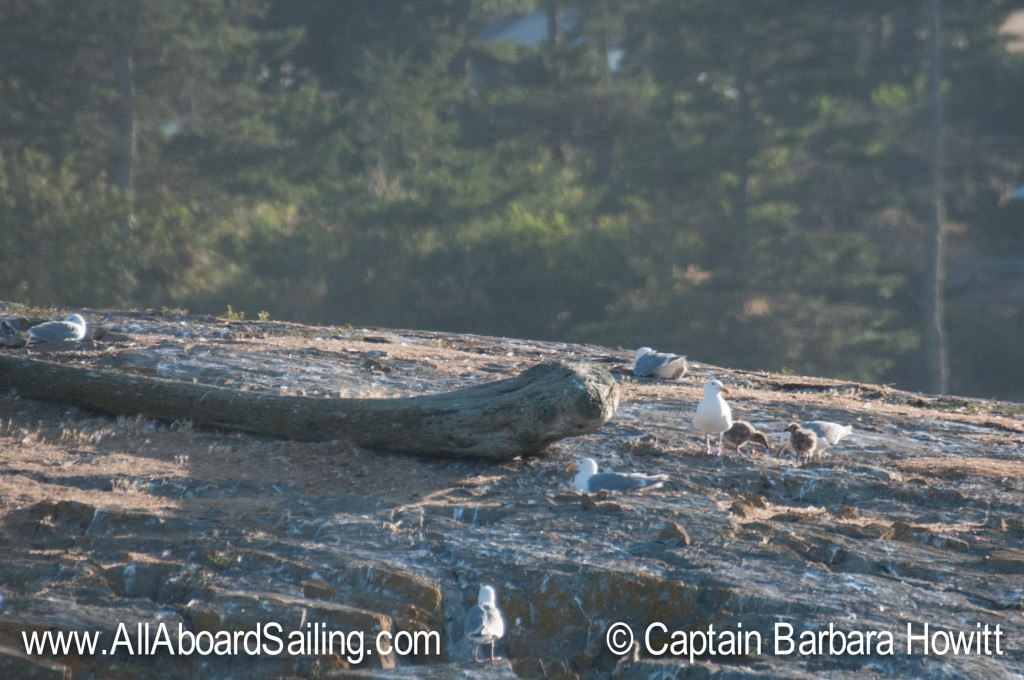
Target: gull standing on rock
(742,433)
(658,364)
(827,433)
(484,622)
(73,327)
(713,415)
(587,480)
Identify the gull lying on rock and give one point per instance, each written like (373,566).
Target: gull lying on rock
(587,479)
(713,415)
(827,434)
(658,364)
(742,433)
(484,622)
(73,327)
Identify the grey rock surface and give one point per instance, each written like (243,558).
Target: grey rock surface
(155,535)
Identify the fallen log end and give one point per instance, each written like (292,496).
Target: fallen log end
(575,399)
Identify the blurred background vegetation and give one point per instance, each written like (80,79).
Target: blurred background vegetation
(746,183)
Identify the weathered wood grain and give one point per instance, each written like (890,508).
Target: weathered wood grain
(497,420)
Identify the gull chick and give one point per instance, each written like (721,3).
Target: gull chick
(484,622)
(713,415)
(742,433)
(828,434)
(801,440)
(587,479)
(658,364)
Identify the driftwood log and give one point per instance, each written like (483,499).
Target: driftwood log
(497,420)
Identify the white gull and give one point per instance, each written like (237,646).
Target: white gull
(658,364)
(587,479)
(484,622)
(713,415)
(73,327)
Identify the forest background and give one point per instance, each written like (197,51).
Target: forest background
(747,183)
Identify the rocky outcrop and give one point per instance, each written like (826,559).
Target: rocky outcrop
(163,536)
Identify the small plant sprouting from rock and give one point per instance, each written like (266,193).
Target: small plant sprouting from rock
(7,428)
(232,315)
(128,485)
(223,451)
(22,309)
(131,425)
(219,559)
(293,333)
(263,316)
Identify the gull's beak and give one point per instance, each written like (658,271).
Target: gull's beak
(726,390)
(572,468)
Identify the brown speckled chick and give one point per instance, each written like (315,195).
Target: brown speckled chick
(801,440)
(742,433)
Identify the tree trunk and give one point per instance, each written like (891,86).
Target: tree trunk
(554,27)
(126,121)
(936,356)
(746,141)
(496,421)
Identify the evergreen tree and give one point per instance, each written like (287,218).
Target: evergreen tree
(746,182)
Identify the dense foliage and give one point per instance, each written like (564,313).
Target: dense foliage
(743,182)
